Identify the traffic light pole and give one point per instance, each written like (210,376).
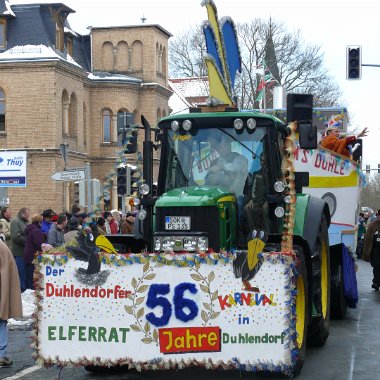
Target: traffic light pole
(88,178)
(148,177)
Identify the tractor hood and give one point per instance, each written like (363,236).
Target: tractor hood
(195,196)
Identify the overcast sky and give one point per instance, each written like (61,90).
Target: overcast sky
(331,24)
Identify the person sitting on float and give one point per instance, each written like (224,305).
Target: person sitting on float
(333,140)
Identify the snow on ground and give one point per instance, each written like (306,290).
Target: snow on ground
(28,308)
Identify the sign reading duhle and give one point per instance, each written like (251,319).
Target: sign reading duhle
(13,169)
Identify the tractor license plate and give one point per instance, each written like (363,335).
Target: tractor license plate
(177,223)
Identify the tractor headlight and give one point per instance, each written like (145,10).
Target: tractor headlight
(141,214)
(144,189)
(174,125)
(134,202)
(167,244)
(251,123)
(190,243)
(203,243)
(157,244)
(279,212)
(238,124)
(186,125)
(279,186)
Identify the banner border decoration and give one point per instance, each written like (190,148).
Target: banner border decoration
(194,263)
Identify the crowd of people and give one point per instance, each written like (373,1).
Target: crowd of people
(23,235)
(26,234)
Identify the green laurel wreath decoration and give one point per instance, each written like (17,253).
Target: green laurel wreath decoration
(150,336)
(208,313)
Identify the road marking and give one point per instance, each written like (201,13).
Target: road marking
(23,373)
(352,365)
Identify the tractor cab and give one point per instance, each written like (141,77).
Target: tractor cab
(216,179)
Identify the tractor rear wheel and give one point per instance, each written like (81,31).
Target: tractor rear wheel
(320,325)
(301,309)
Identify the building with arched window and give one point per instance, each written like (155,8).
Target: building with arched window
(60,87)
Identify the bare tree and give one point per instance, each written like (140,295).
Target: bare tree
(370,196)
(294,65)
(186,52)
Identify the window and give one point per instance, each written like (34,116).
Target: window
(69,45)
(84,124)
(2,111)
(2,34)
(73,116)
(106,126)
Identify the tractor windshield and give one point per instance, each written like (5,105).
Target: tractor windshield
(215,157)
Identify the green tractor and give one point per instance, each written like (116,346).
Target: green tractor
(221,179)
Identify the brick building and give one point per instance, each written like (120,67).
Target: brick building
(57,86)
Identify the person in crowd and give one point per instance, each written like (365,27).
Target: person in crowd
(6,216)
(100,224)
(361,234)
(18,226)
(2,234)
(111,225)
(56,232)
(338,144)
(371,250)
(47,221)
(72,233)
(117,218)
(127,223)
(10,299)
(76,214)
(371,217)
(34,238)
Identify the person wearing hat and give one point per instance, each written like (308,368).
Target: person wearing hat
(338,144)
(127,223)
(110,224)
(371,250)
(47,222)
(56,232)
(73,230)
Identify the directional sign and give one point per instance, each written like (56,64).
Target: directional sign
(70,175)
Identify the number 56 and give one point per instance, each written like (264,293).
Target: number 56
(179,301)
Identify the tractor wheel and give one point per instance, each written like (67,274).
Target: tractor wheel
(320,325)
(338,300)
(301,309)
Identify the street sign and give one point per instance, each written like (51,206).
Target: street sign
(69,175)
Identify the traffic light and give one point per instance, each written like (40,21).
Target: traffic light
(133,179)
(354,62)
(367,169)
(121,181)
(130,142)
(378,168)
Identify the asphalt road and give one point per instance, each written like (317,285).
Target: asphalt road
(352,351)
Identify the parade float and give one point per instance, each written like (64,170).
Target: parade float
(231,276)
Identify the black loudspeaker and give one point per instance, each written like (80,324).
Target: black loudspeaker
(357,154)
(299,107)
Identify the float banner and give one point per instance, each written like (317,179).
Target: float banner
(338,181)
(167,311)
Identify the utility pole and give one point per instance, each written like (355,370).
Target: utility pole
(88,178)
